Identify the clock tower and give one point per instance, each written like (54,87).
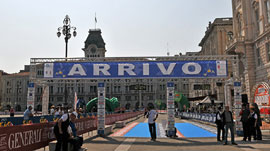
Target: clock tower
(94,44)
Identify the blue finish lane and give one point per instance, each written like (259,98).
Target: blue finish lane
(189,130)
(140,130)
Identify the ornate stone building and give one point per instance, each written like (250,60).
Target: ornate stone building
(214,42)
(251,41)
(94,44)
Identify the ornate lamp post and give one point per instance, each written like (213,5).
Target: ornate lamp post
(66,31)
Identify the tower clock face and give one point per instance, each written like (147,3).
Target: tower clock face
(93,49)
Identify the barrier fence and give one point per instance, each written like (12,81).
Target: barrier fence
(199,116)
(36,119)
(35,136)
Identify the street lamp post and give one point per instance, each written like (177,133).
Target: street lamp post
(66,31)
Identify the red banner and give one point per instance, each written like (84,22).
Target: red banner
(35,136)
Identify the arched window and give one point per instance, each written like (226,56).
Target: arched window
(267,10)
(239,22)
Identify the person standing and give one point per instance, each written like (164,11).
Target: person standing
(252,119)
(61,132)
(152,115)
(11,112)
(52,111)
(28,113)
(220,125)
(228,121)
(244,119)
(259,122)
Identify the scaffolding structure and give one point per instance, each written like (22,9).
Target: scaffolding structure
(232,63)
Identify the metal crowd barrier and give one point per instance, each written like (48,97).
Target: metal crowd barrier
(36,119)
(207,117)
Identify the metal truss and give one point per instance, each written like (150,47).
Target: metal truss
(114,59)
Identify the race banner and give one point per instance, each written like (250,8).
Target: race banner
(142,69)
(237,106)
(101,109)
(170,109)
(31,95)
(45,100)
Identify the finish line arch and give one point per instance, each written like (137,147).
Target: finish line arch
(169,68)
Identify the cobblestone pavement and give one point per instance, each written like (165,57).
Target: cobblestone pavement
(95,143)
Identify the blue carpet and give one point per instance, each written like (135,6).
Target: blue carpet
(189,130)
(140,130)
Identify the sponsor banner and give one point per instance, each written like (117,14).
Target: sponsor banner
(170,105)
(101,108)
(142,69)
(198,116)
(45,101)
(237,104)
(35,136)
(31,95)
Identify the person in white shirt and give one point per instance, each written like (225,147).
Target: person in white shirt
(152,115)
(52,110)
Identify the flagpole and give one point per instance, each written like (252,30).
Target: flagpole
(95,20)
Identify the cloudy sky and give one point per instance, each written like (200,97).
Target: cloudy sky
(129,27)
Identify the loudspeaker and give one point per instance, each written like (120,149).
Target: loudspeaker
(219,84)
(244,98)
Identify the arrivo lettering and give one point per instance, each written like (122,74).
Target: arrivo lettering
(128,68)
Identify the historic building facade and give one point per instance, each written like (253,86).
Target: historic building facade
(62,91)
(251,41)
(214,42)
(14,90)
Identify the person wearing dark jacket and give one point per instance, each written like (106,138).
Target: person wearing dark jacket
(259,122)
(220,125)
(61,132)
(244,119)
(228,122)
(252,119)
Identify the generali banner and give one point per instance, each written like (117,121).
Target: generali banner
(35,136)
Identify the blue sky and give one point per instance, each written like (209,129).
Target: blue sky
(129,27)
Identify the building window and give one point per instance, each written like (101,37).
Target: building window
(108,90)
(267,9)
(267,47)
(51,89)
(257,17)
(259,59)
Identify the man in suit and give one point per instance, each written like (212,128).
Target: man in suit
(220,125)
